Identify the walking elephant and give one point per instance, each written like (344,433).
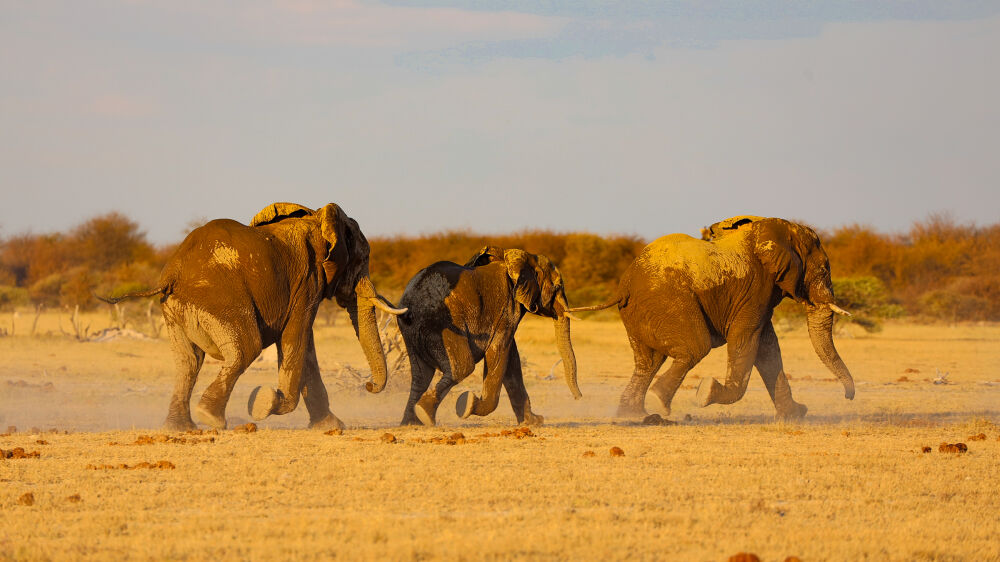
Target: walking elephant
(230,290)
(459,315)
(681,297)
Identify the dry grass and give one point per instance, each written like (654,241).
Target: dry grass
(851,482)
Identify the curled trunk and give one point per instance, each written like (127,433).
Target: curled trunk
(362,313)
(820,320)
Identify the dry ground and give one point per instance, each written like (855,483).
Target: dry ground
(849,483)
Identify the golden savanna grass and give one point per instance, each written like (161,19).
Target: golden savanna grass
(851,482)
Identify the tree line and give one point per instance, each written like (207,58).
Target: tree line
(938,269)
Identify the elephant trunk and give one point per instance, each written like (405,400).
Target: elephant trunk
(566,348)
(362,314)
(820,321)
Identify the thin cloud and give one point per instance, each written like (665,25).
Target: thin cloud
(349,23)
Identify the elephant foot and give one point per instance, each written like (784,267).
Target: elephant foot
(711,392)
(654,403)
(263,402)
(327,423)
(631,409)
(204,415)
(465,404)
(179,423)
(533,419)
(793,413)
(426,410)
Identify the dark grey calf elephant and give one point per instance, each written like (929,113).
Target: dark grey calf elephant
(681,297)
(231,290)
(460,315)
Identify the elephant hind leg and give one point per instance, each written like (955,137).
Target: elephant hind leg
(666,385)
(647,362)
(211,409)
(188,359)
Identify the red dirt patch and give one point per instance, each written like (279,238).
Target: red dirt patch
(18,453)
(910,370)
(656,419)
(75,498)
(744,557)
(334,432)
(161,465)
(26,499)
(980,437)
(154,439)
(903,378)
(589,454)
(617,452)
(953,447)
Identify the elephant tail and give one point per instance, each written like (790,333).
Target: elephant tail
(164,290)
(608,304)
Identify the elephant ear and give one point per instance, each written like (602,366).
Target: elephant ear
(777,252)
(336,232)
(485,255)
(728,226)
(276,212)
(522,273)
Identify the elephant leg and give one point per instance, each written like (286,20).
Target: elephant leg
(772,372)
(647,362)
(314,393)
(188,359)
(294,348)
(666,385)
(742,353)
(513,383)
(494,369)
(421,407)
(211,409)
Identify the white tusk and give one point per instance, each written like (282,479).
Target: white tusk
(838,310)
(377,301)
(571,315)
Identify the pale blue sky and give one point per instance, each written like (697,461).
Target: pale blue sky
(611,117)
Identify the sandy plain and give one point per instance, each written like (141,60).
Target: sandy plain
(850,482)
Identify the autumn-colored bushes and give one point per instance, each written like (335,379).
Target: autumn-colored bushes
(937,270)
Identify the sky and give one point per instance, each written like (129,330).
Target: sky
(628,117)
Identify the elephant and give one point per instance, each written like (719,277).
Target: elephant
(682,296)
(230,290)
(459,315)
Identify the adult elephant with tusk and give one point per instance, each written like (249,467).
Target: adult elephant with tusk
(681,297)
(230,290)
(460,315)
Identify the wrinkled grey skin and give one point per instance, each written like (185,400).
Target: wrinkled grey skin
(461,315)
(231,290)
(681,297)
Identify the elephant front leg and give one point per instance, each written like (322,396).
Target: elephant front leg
(295,345)
(772,372)
(742,351)
(494,369)
(513,383)
(421,407)
(314,394)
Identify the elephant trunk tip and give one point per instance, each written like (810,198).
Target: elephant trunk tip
(374,388)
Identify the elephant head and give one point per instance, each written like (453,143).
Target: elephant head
(792,256)
(345,251)
(538,286)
